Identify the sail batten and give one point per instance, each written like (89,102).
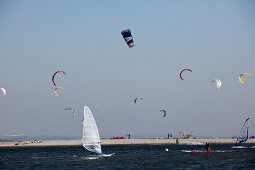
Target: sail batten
(90,137)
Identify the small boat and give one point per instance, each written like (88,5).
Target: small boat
(118,137)
(90,138)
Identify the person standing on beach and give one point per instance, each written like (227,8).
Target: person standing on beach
(177,141)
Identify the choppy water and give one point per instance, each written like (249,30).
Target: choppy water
(127,157)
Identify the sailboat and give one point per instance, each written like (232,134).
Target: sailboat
(90,137)
(244,135)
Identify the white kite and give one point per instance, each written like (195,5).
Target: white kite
(3,90)
(58,90)
(217,83)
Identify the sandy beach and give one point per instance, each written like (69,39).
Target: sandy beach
(121,142)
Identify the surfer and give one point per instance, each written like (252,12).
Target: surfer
(207,147)
(236,144)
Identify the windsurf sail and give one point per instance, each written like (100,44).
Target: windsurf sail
(244,133)
(186,135)
(90,137)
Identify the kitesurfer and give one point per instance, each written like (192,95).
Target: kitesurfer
(177,141)
(207,147)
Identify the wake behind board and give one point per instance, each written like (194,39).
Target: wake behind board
(93,157)
(193,143)
(107,155)
(239,147)
(202,151)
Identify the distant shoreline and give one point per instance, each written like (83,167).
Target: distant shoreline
(121,142)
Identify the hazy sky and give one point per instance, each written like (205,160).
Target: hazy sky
(216,39)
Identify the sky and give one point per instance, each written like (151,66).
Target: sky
(215,39)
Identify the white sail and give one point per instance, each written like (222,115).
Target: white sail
(90,137)
(244,133)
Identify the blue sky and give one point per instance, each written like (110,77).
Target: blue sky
(215,39)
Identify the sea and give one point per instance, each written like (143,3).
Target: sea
(128,157)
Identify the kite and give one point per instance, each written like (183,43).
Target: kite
(164,113)
(53,77)
(3,90)
(217,83)
(135,101)
(241,77)
(128,38)
(186,69)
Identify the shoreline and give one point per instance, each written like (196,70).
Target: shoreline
(44,143)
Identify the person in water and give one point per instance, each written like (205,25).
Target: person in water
(207,147)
